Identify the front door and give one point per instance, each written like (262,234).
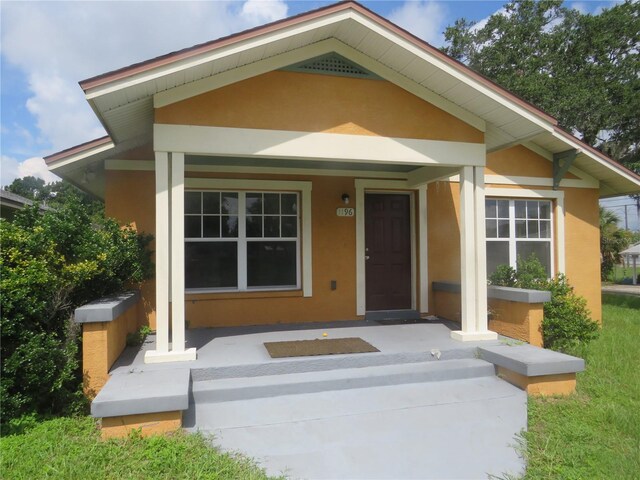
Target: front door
(387,251)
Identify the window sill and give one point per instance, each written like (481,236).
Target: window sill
(196,297)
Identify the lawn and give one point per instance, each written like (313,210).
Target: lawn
(70,448)
(596,432)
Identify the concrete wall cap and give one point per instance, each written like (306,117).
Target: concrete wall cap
(106,309)
(146,391)
(531,361)
(521,295)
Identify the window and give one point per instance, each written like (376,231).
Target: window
(241,240)
(518,228)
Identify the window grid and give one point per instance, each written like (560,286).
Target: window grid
(537,212)
(238,212)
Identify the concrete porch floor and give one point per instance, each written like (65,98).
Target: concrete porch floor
(227,347)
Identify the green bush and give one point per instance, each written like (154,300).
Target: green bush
(50,264)
(567,322)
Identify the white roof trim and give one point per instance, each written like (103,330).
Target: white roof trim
(53,166)
(225,51)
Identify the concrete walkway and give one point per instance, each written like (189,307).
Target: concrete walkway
(622,289)
(458,429)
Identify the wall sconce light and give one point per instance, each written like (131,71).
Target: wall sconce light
(345,198)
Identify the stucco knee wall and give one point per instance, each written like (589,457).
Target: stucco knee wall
(102,344)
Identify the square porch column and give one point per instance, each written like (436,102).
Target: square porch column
(473,262)
(170,289)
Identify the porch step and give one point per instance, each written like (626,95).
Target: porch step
(246,388)
(327,362)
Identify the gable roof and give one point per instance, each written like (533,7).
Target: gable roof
(124,99)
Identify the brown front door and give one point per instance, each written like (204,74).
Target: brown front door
(387,252)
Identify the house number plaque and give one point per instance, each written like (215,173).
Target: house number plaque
(345,212)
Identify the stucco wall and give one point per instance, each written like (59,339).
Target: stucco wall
(319,103)
(582,235)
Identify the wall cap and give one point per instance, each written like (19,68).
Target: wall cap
(531,361)
(143,391)
(106,309)
(511,294)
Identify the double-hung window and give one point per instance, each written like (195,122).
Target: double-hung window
(516,229)
(239,241)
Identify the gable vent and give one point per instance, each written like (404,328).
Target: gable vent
(332,64)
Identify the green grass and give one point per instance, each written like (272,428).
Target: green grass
(70,448)
(595,433)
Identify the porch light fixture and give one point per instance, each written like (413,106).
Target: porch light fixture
(345,198)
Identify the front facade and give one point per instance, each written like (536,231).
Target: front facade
(328,166)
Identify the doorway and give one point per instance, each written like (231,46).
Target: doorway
(388,262)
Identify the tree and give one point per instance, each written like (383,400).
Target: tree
(51,263)
(53,194)
(580,68)
(613,240)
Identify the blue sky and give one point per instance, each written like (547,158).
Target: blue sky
(47,47)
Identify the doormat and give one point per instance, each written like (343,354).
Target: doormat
(307,348)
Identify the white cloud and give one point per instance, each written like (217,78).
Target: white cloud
(481,23)
(8,169)
(57,44)
(580,6)
(11,168)
(425,19)
(35,167)
(264,11)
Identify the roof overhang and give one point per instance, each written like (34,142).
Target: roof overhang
(124,100)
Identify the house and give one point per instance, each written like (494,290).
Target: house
(630,256)
(11,202)
(330,166)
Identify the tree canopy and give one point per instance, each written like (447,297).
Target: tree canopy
(52,194)
(581,68)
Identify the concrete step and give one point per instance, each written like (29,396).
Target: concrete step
(327,362)
(265,386)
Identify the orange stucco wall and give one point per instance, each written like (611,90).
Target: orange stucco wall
(319,103)
(147,424)
(582,235)
(333,240)
(521,162)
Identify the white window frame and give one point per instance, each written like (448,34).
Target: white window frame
(557,222)
(303,239)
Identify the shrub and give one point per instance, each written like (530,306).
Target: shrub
(137,338)
(567,322)
(50,264)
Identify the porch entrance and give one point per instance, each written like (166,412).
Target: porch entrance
(387,251)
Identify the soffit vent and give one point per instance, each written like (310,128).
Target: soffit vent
(332,64)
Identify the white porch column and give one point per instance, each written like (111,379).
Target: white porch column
(473,280)
(170,261)
(162,252)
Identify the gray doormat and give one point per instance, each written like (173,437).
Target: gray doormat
(306,348)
